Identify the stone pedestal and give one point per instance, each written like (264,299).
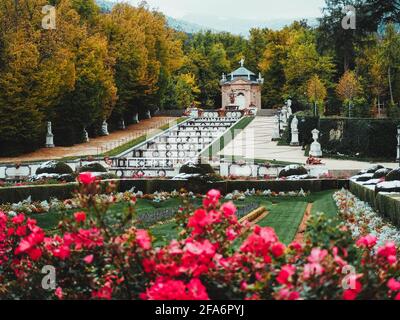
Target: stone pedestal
(104,129)
(295,132)
(49,136)
(315,150)
(276,135)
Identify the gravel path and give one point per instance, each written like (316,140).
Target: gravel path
(97,145)
(255,142)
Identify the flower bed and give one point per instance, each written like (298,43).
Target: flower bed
(362,220)
(215,258)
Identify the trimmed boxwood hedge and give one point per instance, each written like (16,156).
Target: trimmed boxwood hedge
(65,191)
(387,205)
(37,193)
(360,138)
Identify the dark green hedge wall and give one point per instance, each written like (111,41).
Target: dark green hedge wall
(359,138)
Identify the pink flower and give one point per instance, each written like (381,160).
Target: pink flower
(286,294)
(86,178)
(389,252)
(212,198)
(317,255)
(393,285)
(143,239)
(88,259)
(367,242)
(59,293)
(228,209)
(80,217)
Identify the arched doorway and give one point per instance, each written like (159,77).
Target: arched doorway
(241,101)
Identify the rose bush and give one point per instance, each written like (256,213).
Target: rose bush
(215,258)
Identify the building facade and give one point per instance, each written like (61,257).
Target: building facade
(241,89)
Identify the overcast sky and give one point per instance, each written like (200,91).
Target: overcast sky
(247,9)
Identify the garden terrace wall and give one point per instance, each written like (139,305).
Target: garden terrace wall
(388,205)
(361,138)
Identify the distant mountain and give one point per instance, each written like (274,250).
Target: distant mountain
(240,26)
(177,24)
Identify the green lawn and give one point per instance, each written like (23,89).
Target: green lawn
(285,214)
(285,218)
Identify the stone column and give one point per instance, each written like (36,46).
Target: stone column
(315,150)
(276,135)
(49,136)
(295,132)
(104,129)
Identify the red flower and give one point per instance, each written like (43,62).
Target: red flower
(285,274)
(19,219)
(104,293)
(86,178)
(278,249)
(393,285)
(352,294)
(176,290)
(80,217)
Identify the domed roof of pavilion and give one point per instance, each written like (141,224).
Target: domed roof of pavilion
(241,73)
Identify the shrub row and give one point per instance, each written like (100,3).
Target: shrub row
(65,191)
(386,205)
(361,138)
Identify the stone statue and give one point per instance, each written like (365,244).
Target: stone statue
(242,62)
(295,132)
(49,136)
(315,150)
(85,135)
(136,118)
(276,135)
(104,129)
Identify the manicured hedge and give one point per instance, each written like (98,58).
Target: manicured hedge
(65,191)
(37,193)
(387,205)
(359,138)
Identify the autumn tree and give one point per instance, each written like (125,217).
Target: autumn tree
(316,93)
(348,89)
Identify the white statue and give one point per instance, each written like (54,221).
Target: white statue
(315,150)
(85,135)
(295,132)
(49,136)
(104,129)
(276,135)
(242,62)
(136,118)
